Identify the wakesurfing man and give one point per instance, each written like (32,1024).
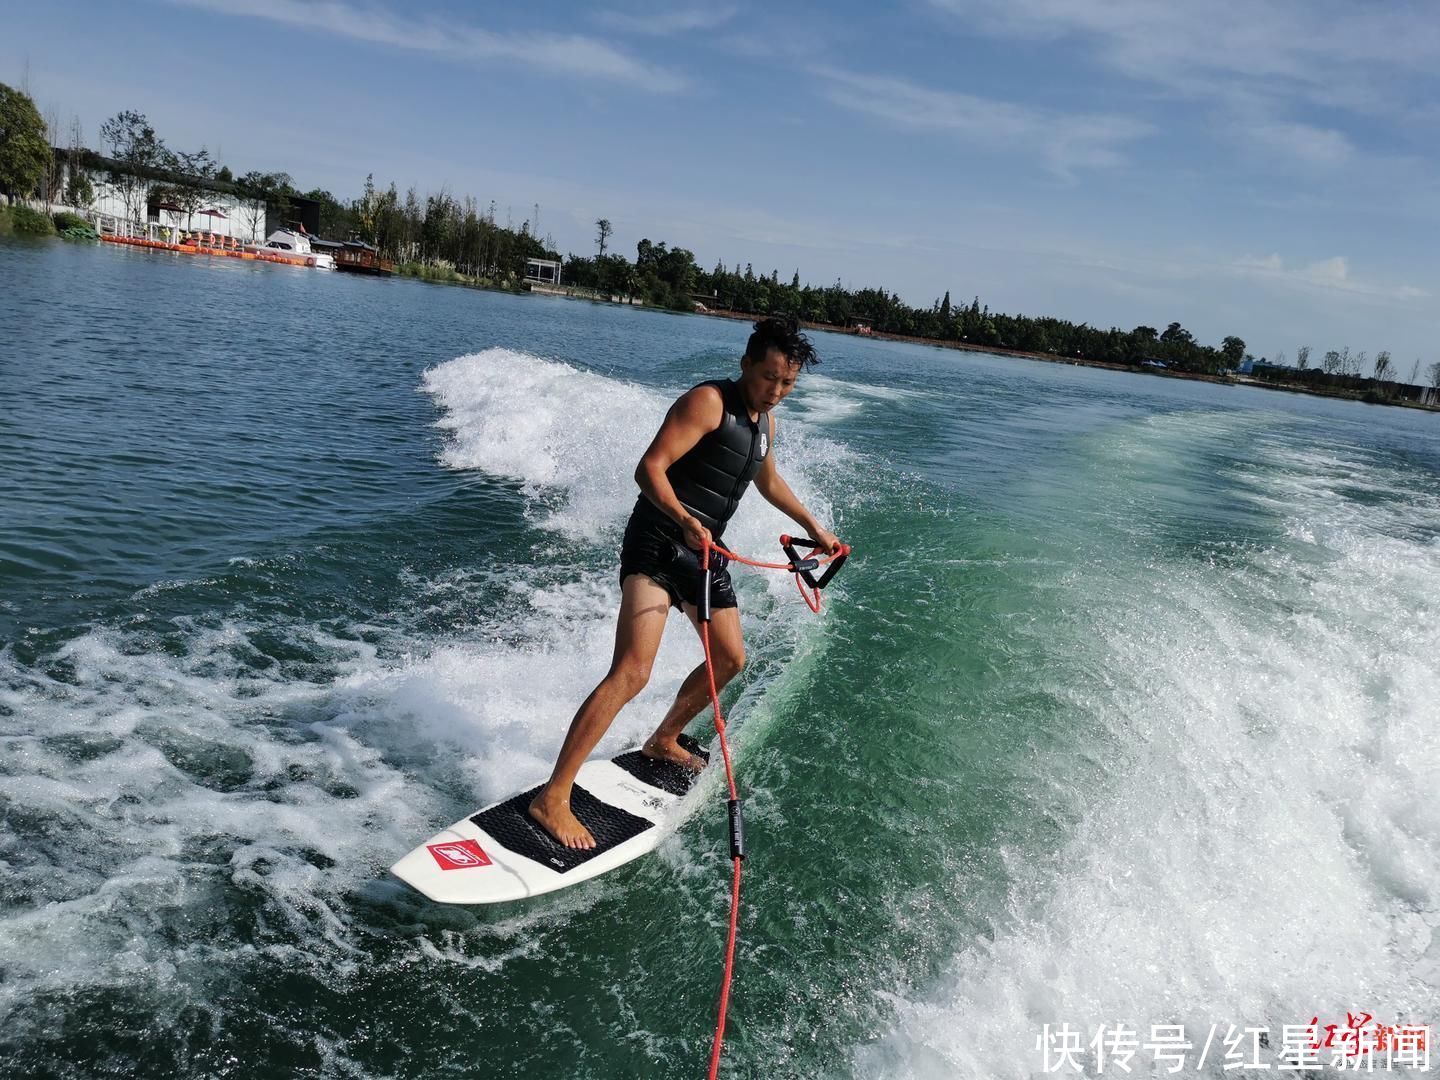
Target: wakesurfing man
(716,440)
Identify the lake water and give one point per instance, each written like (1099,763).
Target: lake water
(1126,709)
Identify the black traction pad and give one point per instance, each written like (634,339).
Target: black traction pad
(665,775)
(511,824)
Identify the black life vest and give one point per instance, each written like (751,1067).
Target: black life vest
(712,475)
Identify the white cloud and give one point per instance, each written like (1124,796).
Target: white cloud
(667,23)
(1065,141)
(567,54)
(1328,274)
(1272,69)
(1303,143)
(1331,52)
(1271,264)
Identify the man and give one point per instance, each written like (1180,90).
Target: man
(716,439)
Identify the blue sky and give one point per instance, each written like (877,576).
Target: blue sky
(1266,168)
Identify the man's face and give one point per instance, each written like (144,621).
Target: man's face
(768,382)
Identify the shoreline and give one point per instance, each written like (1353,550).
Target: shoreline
(452,277)
(1078,361)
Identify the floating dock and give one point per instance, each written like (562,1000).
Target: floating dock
(223,250)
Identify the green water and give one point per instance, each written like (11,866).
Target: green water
(1122,710)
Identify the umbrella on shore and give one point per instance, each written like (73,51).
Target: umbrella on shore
(213,212)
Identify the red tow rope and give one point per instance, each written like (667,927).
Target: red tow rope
(801,569)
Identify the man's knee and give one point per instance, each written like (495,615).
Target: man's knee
(728,664)
(629,677)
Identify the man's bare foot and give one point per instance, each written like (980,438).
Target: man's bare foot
(671,750)
(556,818)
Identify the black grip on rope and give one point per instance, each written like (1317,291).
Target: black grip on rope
(832,569)
(804,566)
(798,565)
(737,830)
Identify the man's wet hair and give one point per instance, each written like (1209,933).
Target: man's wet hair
(782,333)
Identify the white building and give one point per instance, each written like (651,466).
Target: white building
(544,271)
(218,211)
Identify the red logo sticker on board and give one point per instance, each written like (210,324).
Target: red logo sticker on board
(459,855)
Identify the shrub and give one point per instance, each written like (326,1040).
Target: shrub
(66,220)
(79,192)
(30,221)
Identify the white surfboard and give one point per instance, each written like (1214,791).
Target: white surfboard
(498,853)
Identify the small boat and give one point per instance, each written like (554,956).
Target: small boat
(361,258)
(287,245)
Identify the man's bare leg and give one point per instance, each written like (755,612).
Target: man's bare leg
(727,647)
(638,629)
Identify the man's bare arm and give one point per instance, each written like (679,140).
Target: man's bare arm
(696,414)
(777,493)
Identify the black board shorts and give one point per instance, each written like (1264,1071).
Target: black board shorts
(655,546)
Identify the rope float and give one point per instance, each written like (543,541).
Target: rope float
(804,571)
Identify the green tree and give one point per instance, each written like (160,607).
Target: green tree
(336,221)
(193,173)
(265,191)
(1233,350)
(602,234)
(392,231)
(24,149)
(138,154)
(436,231)
(79,191)
(366,210)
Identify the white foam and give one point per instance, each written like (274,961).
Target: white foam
(822,399)
(578,465)
(1266,845)
(188,807)
(550,426)
(183,784)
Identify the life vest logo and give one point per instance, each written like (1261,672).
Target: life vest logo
(764,444)
(459,855)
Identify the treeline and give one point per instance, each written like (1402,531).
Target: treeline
(670,277)
(446,233)
(972,324)
(142,170)
(439,230)
(1342,372)
(444,236)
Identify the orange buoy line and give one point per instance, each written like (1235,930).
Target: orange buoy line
(203,249)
